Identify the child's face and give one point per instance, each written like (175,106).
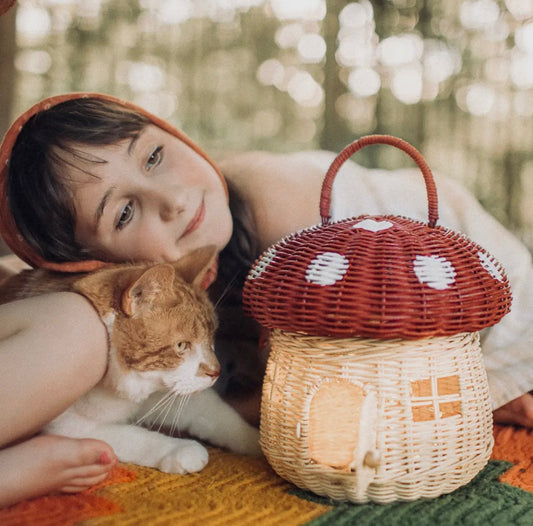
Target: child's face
(153,199)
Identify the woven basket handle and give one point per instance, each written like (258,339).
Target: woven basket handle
(348,151)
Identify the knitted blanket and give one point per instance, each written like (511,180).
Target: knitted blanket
(235,490)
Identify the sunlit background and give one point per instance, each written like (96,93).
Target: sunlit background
(454,78)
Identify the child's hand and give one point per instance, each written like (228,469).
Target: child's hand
(517,412)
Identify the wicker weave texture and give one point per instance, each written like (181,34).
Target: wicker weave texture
(381,295)
(423,417)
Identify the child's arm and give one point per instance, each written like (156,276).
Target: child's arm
(53,349)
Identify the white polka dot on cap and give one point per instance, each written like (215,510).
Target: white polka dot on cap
(434,271)
(372,225)
(327,268)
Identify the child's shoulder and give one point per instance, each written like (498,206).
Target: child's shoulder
(283,190)
(249,168)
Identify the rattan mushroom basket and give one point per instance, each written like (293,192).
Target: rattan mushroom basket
(375,387)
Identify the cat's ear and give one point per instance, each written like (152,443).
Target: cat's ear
(141,294)
(196,264)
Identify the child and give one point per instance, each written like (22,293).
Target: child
(88,179)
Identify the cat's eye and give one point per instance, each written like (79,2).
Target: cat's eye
(125,216)
(155,158)
(183,346)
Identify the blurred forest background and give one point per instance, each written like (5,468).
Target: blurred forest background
(453,77)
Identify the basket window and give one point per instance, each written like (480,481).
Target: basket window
(435,398)
(423,413)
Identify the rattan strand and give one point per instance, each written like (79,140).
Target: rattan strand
(348,151)
(418,458)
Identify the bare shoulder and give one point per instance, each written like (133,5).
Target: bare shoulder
(65,309)
(63,319)
(282,189)
(297,168)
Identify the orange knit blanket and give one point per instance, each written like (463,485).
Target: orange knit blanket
(235,490)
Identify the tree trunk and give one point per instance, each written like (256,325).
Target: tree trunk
(334,132)
(7,68)
(7,76)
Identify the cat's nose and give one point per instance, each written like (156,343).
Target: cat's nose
(209,370)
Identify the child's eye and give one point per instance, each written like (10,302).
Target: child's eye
(125,216)
(155,158)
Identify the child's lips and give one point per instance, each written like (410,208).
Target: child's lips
(196,221)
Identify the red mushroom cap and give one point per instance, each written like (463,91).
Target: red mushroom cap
(377,276)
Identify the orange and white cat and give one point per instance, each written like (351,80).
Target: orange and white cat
(161,328)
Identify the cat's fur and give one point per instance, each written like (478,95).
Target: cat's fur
(161,328)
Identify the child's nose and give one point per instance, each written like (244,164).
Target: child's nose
(171,204)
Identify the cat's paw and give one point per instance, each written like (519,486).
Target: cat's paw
(188,457)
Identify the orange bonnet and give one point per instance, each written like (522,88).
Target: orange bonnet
(8,229)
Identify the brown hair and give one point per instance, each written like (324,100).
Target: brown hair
(39,200)
(238,335)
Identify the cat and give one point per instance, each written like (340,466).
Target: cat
(161,328)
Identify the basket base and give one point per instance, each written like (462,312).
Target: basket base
(376,420)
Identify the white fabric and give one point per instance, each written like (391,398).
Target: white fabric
(507,347)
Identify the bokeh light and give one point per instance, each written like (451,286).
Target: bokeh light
(271,73)
(364,82)
(172,12)
(440,61)
(407,84)
(299,9)
(476,98)
(399,50)
(357,15)
(520,9)
(33,61)
(524,38)
(478,14)
(33,23)
(304,89)
(521,70)
(312,48)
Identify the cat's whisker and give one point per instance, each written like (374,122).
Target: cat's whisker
(161,409)
(160,403)
(152,409)
(182,402)
(167,411)
(226,290)
(176,401)
(175,416)
(158,409)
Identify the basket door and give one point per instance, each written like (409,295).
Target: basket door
(342,431)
